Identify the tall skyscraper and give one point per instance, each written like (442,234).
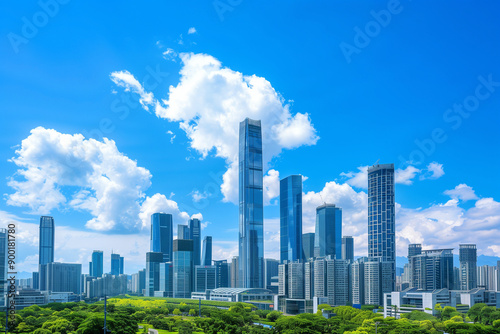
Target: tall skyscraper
(251,217)
(308,245)
(162,235)
(183,268)
(122,260)
(195,235)
(234,272)
(431,269)
(468,266)
(63,277)
(97,263)
(328,236)
(414,249)
(291,219)
(115,264)
(182,232)
(348,248)
(153,261)
(46,240)
(206,257)
(222,273)
(381,216)
(3,264)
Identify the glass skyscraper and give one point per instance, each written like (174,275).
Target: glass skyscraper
(308,245)
(183,268)
(348,248)
(195,235)
(291,219)
(162,235)
(328,235)
(206,258)
(381,215)
(468,266)
(182,232)
(153,260)
(251,217)
(115,264)
(97,263)
(46,242)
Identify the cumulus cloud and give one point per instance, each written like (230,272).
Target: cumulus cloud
(191,30)
(130,84)
(433,171)
(160,203)
(169,54)
(357,179)
(210,101)
(406,176)
(271,185)
(462,192)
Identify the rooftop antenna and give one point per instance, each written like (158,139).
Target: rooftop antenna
(376,163)
(322,199)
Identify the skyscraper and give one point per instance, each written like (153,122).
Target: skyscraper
(468,266)
(195,235)
(328,236)
(183,268)
(122,260)
(153,261)
(3,262)
(381,216)
(162,235)
(222,273)
(431,269)
(348,248)
(308,245)
(251,217)
(270,270)
(63,277)
(182,232)
(46,241)
(97,263)
(115,264)
(291,219)
(206,258)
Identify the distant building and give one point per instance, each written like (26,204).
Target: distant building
(182,232)
(487,277)
(107,285)
(63,277)
(139,282)
(46,240)
(270,270)
(234,272)
(328,234)
(3,264)
(115,264)
(308,245)
(205,278)
(167,279)
(195,236)
(348,248)
(370,279)
(162,235)
(153,260)
(222,274)
(291,219)
(183,268)
(468,266)
(432,269)
(206,256)
(97,263)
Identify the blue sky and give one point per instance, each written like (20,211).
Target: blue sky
(328,112)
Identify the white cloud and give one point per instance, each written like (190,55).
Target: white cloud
(434,171)
(198,196)
(172,136)
(170,54)
(160,203)
(59,171)
(358,179)
(271,185)
(462,192)
(191,30)
(406,176)
(126,80)
(211,100)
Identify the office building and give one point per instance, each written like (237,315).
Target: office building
(328,234)
(414,249)
(63,277)
(251,234)
(122,260)
(468,266)
(115,264)
(205,278)
(195,235)
(337,281)
(432,269)
(206,254)
(36,280)
(291,219)
(487,277)
(107,285)
(162,235)
(183,268)
(234,272)
(348,248)
(270,270)
(139,282)
(381,216)
(308,245)
(167,279)
(182,232)
(97,263)
(222,273)
(153,261)
(46,241)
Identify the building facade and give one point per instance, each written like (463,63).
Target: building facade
(291,219)
(328,233)
(183,268)
(97,263)
(195,235)
(153,261)
(162,235)
(308,245)
(206,254)
(348,248)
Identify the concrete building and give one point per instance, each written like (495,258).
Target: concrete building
(468,266)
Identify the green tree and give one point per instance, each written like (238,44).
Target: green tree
(177,312)
(192,312)
(273,316)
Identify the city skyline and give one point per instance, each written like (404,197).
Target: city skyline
(327,119)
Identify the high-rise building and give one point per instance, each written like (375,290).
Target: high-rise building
(121,265)
(97,263)
(414,249)
(206,254)
(46,240)
(308,245)
(205,278)
(3,264)
(296,280)
(115,264)
(162,235)
(153,261)
(431,269)
(167,279)
(251,224)
(291,219)
(381,216)
(348,248)
(195,235)
(36,280)
(337,272)
(234,272)
(487,277)
(63,277)
(183,268)
(468,266)
(182,232)
(222,273)
(270,270)
(139,282)
(328,235)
